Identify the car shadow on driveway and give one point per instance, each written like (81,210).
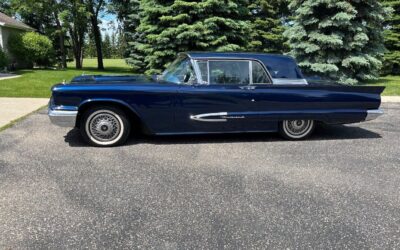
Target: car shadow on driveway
(322,132)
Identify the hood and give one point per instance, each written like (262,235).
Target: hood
(90,79)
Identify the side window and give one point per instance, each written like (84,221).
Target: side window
(203,67)
(259,74)
(229,72)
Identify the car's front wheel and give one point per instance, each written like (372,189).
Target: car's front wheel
(296,129)
(105,126)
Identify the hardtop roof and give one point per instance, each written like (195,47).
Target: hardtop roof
(244,55)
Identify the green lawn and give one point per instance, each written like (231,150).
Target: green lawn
(392,84)
(37,82)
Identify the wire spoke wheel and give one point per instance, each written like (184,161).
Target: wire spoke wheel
(104,127)
(297,129)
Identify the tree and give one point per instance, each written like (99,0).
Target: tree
(32,47)
(4,60)
(44,16)
(266,26)
(392,38)
(90,47)
(169,27)
(94,7)
(127,12)
(134,54)
(121,44)
(75,18)
(5,7)
(338,39)
(107,46)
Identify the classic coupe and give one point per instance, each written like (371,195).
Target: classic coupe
(203,93)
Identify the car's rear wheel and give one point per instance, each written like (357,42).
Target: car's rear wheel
(105,126)
(296,129)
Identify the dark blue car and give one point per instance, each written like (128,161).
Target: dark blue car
(202,93)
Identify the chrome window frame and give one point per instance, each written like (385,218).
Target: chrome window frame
(249,60)
(271,80)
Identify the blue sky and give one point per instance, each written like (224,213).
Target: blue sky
(109,23)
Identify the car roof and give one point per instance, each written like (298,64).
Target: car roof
(244,55)
(279,66)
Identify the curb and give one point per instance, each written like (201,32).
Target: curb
(391,99)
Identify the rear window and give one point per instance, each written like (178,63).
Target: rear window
(283,68)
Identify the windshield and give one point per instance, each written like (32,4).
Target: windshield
(180,72)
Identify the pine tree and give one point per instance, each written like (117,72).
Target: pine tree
(135,56)
(339,39)
(169,27)
(107,47)
(392,38)
(121,44)
(90,47)
(113,41)
(266,32)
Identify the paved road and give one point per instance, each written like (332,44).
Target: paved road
(339,190)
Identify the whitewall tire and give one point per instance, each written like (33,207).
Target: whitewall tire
(296,129)
(105,126)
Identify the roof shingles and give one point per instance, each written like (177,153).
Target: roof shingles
(13,23)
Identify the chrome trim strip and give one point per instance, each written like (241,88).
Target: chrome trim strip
(373,114)
(204,117)
(250,72)
(63,118)
(196,70)
(284,81)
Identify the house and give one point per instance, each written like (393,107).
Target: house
(9,25)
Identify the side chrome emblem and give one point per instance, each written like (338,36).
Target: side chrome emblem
(210,117)
(215,117)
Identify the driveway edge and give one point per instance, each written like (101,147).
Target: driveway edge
(393,99)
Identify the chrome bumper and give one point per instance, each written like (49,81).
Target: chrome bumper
(373,114)
(63,118)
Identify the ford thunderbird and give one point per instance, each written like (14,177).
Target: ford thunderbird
(203,93)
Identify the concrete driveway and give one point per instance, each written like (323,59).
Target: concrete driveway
(14,108)
(339,190)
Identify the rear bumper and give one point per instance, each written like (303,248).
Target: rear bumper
(63,118)
(373,114)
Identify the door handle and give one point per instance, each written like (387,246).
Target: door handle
(248,87)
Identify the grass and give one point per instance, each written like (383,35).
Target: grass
(392,84)
(37,82)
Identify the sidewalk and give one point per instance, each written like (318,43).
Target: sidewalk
(390,98)
(14,108)
(4,76)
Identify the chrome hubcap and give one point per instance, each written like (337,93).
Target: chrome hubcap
(298,127)
(104,127)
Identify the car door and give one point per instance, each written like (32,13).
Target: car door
(263,112)
(218,99)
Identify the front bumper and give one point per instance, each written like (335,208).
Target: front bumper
(63,118)
(373,114)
